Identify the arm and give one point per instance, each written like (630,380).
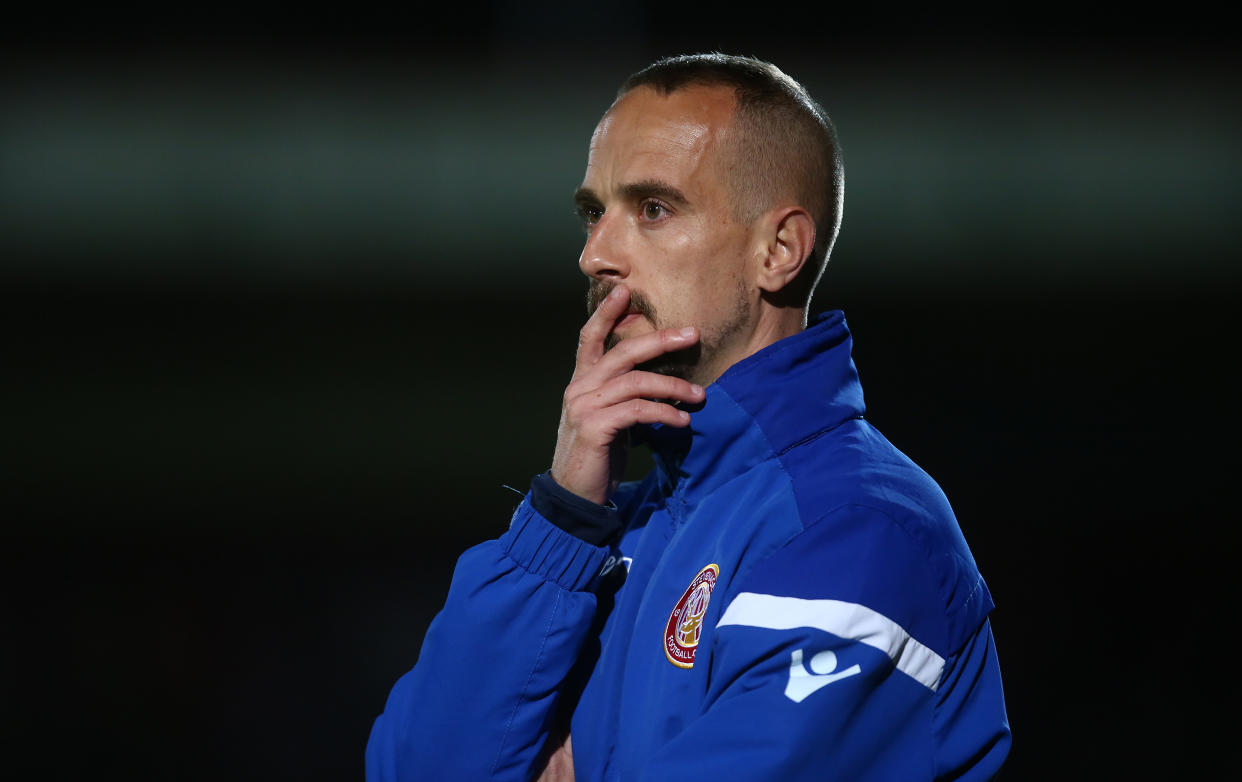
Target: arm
(481,701)
(846,655)
(809,703)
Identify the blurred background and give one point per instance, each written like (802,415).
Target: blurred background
(288,301)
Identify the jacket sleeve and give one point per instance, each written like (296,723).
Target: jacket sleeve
(481,699)
(839,658)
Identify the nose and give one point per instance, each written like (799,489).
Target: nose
(603,257)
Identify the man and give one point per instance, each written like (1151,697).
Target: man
(786,596)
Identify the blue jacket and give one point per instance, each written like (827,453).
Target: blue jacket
(790,598)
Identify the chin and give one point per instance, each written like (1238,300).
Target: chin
(684,364)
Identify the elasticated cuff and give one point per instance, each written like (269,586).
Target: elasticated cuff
(546,550)
(596,524)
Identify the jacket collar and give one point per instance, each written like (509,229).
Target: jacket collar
(762,406)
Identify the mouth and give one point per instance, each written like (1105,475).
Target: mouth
(629,317)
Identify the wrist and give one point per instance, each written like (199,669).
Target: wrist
(593,522)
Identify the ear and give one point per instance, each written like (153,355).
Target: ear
(789,240)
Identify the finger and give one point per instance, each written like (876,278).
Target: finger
(591,337)
(629,353)
(643,411)
(643,385)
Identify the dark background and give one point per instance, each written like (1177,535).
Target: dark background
(289,301)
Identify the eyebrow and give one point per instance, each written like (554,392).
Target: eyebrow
(635,191)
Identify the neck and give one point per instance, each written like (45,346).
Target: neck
(771,324)
(762,407)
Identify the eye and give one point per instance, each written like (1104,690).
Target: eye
(653,210)
(590,215)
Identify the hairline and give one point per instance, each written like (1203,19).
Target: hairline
(747,102)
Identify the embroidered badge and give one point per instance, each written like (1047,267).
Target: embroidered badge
(685,624)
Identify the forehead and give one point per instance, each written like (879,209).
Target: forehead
(646,135)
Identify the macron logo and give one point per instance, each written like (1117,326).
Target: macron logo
(803,682)
(612,562)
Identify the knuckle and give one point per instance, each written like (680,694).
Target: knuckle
(574,409)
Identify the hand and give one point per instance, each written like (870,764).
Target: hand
(560,766)
(607,396)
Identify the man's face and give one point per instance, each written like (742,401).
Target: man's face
(659,220)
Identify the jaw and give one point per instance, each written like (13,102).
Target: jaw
(684,364)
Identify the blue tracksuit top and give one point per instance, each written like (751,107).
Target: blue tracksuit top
(791,598)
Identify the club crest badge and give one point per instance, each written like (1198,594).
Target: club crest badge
(685,624)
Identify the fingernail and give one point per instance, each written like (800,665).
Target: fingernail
(688,331)
(615,293)
(696,389)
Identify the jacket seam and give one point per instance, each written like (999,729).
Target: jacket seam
(928,569)
(500,752)
(812,436)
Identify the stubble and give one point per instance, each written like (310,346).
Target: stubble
(691,363)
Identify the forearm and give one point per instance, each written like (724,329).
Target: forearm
(480,700)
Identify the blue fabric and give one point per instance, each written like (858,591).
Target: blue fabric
(783,487)
(596,524)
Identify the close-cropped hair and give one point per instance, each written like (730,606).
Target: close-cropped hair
(784,145)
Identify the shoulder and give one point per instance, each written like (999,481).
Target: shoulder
(878,532)
(854,463)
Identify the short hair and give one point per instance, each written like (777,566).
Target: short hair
(787,145)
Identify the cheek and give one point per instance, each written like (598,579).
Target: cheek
(692,250)
(677,243)
(694,273)
(700,295)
